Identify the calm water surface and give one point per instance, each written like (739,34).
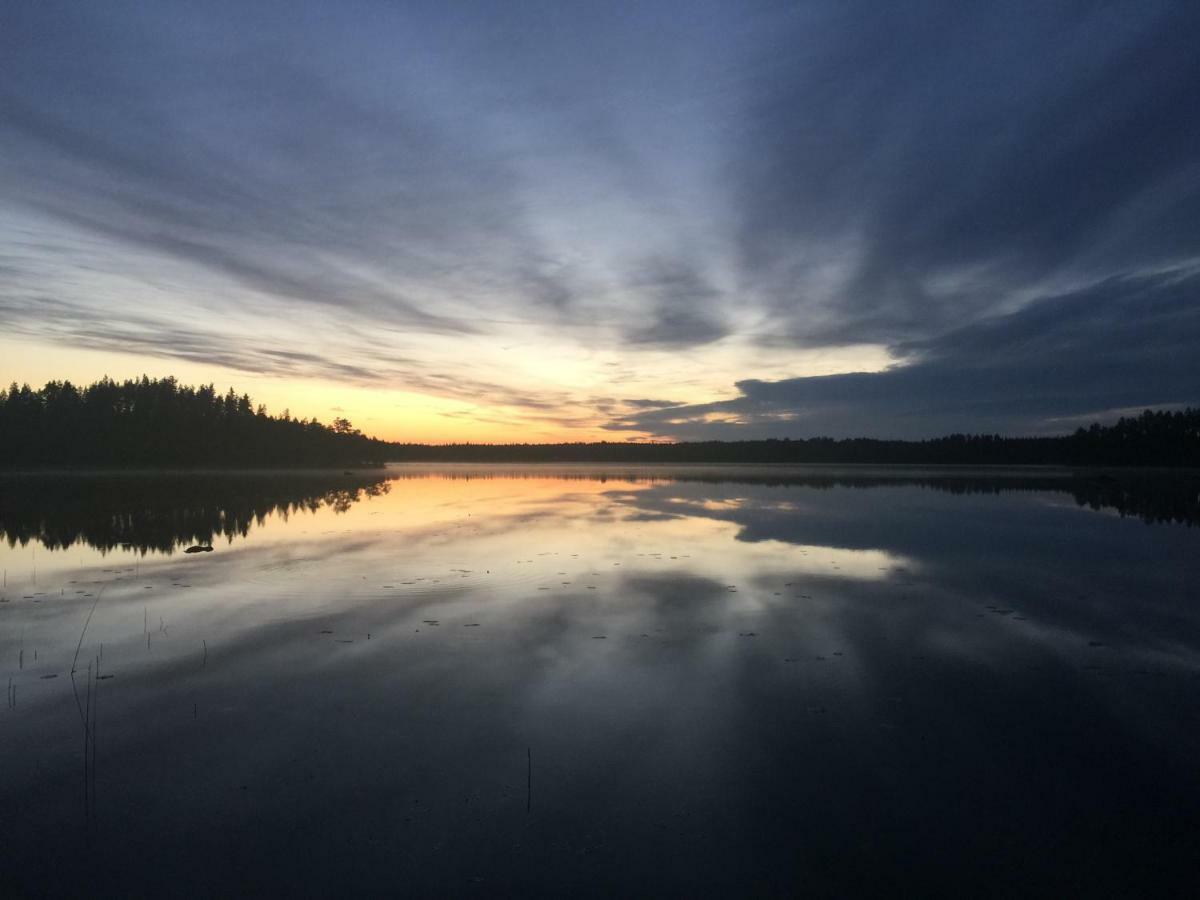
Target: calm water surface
(668,682)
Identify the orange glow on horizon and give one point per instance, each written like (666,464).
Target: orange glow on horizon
(553,394)
(390,415)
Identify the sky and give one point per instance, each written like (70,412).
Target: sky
(611,221)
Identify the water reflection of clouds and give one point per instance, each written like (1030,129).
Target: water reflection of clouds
(741,553)
(787,661)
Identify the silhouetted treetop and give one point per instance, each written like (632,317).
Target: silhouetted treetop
(159,422)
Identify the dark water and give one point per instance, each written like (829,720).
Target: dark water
(745,682)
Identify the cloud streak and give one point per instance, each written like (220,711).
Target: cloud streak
(1118,345)
(781,178)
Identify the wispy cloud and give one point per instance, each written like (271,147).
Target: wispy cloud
(635,181)
(1123,344)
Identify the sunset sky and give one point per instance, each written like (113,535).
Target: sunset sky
(575,221)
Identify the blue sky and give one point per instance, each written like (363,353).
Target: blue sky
(671,220)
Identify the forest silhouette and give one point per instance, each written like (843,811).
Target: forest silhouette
(161,423)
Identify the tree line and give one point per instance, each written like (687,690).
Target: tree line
(159,422)
(1155,438)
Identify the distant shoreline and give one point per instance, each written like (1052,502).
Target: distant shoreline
(238,469)
(891,468)
(160,424)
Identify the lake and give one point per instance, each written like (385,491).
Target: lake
(687,681)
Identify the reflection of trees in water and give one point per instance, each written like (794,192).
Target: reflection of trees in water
(1151,497)
(160,512)
(1148,494)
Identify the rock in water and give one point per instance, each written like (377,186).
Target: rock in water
(199,549)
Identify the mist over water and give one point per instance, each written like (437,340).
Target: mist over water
(750,681)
